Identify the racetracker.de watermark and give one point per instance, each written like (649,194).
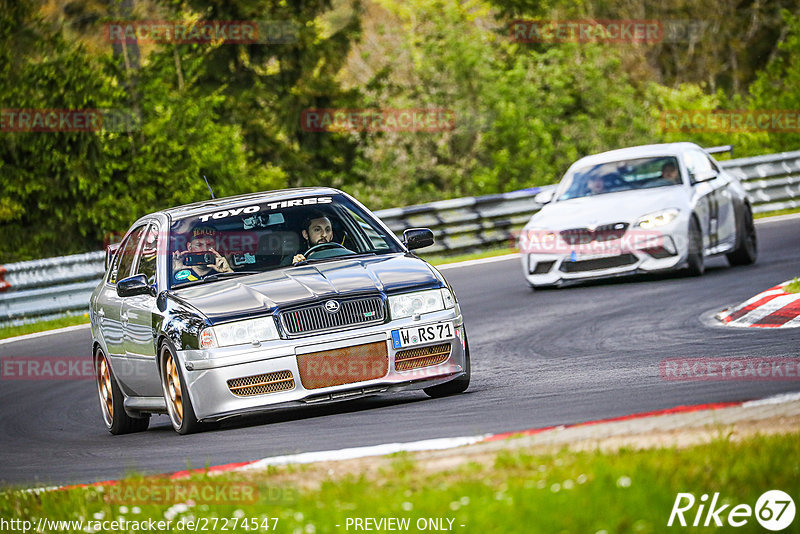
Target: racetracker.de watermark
(724,369)
(731,121)
(588,241)
(201,32)
(606,31)
(377,120)
(201,492)
(69,120)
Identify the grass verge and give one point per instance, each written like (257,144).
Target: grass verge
(41,326)
(520,491)
(793,286)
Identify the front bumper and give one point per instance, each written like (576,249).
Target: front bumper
(627,255)
(207,373)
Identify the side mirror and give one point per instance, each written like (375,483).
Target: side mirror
(134,285)
(414,238)
(546,196)
(704,176)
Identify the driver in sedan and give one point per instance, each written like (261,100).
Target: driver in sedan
(317,230)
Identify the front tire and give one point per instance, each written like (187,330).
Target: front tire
(747,251)
(460,384)
(696,262)
(179,405)
(115,417)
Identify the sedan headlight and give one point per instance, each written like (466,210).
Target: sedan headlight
(239,333)
(419,302)
(659,218)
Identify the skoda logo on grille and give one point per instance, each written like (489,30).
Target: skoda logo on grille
(331,306)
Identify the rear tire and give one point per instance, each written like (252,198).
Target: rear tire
(115,417)
(179,405)
(460,384)
(696,262)
(747,251)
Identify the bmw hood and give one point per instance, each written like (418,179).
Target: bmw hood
(624,206)
(251,295)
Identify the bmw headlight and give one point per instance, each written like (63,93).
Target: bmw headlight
(659,218)
(239,333)
(409,304)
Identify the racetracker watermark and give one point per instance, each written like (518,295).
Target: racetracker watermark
(201,492)
(606,31)
(201,32)
(606,240)
(731,121)
(69,120)
(47,368)
(378,120)
(716,369)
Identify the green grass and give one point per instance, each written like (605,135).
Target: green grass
(443,260)
(41,326)
(776,212)
(793,286)
(523,491)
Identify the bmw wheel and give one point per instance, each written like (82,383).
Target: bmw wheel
(179,406)
(696,261)
(747,251)
(115,417)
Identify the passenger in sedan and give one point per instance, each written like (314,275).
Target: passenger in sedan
(191,264)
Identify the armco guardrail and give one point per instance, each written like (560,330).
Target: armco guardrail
(31,290)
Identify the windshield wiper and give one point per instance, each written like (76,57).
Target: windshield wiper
(217,276)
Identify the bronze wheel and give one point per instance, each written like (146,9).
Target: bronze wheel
(117,420)
(179,406)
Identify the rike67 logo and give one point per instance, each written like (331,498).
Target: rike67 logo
(774,510)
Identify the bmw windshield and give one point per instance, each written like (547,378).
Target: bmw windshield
(271,234)
(642,173)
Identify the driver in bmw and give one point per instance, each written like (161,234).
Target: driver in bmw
(316,231)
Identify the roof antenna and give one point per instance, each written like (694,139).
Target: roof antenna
(209,188)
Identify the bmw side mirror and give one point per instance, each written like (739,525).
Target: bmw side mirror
(134,285)
(545,197)
(704,176)
(415,238)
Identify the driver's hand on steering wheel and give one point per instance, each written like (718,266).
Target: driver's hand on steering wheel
(298,258)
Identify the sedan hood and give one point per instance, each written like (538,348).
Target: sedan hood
(624,206)
(253,295)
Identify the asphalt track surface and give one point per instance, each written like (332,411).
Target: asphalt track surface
(539,358)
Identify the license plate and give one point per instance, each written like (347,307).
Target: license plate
(408,337)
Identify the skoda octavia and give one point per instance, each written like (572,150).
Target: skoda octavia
(244,304)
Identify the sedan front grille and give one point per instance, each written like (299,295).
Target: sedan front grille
(248,386)
(405,360)
(317,318)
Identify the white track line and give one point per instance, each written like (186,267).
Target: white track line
(45,333)
(778,218)
(481,261)
(362,452)
(776,399)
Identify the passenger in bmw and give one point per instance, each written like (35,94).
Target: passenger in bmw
(200,257)
(317,230)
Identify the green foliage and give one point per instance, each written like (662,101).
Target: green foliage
(523,112)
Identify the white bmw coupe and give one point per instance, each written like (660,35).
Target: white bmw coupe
(640,209)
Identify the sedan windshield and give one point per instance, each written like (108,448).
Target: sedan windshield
(248,238)
(617,176)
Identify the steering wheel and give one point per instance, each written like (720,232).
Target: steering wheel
(324,246)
